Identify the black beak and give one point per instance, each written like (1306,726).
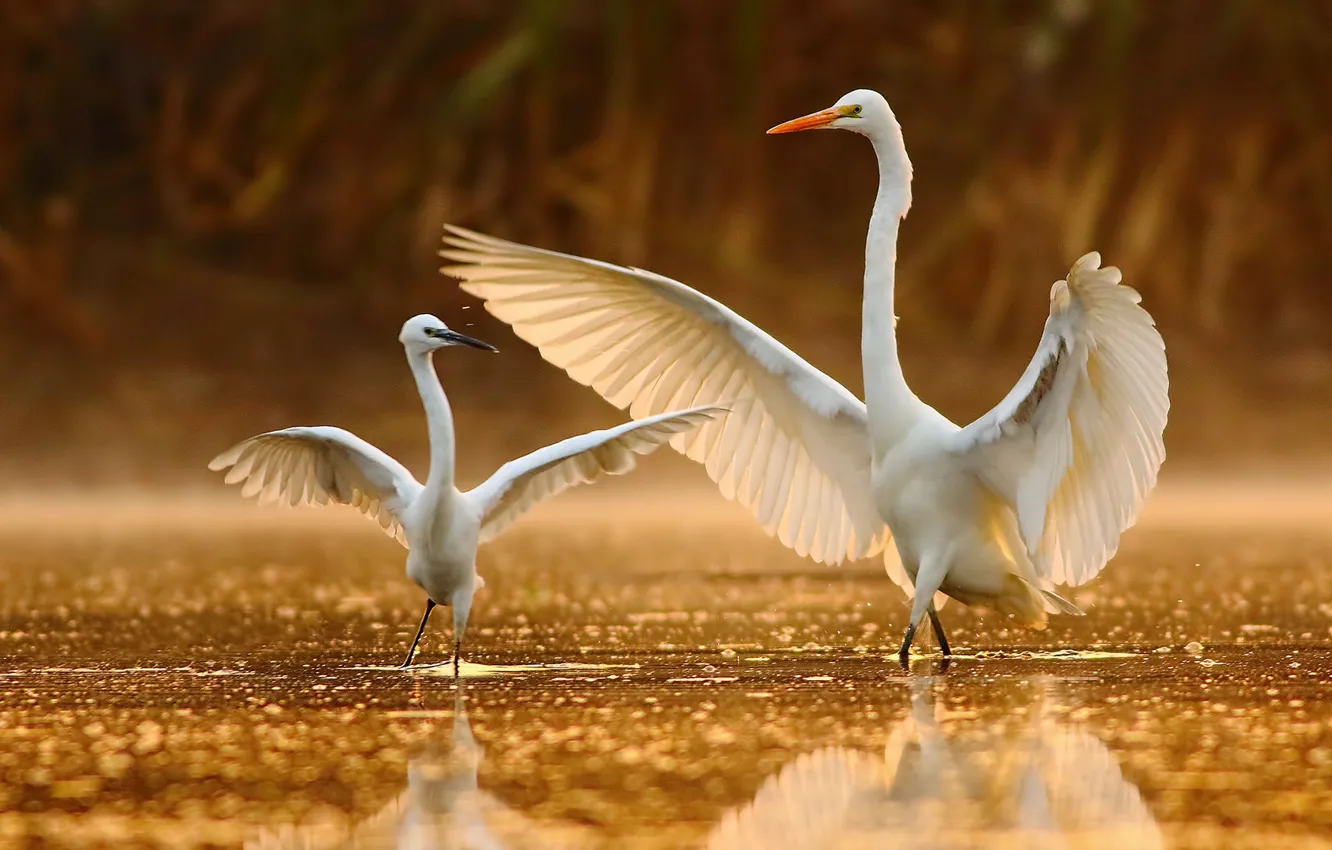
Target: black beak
(463,339)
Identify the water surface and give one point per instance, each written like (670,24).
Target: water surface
(649,684)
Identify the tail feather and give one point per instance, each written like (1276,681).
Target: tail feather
(1023,597)
(1057,604)
(1020,601)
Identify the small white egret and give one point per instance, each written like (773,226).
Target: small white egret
(1031,495)
(440,526)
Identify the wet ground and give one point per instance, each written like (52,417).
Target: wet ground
(648,684)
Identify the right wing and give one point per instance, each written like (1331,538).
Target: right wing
(318,465)
(517,486)
(795,447)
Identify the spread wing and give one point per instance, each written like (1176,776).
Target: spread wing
(795,447)
(517,486)
(318,465)
(1075,447)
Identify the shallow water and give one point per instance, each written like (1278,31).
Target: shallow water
(663,685)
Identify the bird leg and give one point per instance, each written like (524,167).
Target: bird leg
(906,642)
(430,606)
(457,655)
(938,631)
(933,569)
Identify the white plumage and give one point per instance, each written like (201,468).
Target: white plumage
(1077,444)
(315,465)
(440,526)
(517,486)
(793,449)
(1031,495)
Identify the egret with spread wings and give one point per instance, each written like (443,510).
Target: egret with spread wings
(440,526)
(1031,495)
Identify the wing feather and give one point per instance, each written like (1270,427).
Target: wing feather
(649,344)
(1077,444)
(517,486)
(318,465)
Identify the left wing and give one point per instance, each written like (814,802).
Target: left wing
(1076,446)
(518,485)
(795,449)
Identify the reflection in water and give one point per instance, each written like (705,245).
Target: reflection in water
(442,808)
(474,670)
(1043,784)
(1037,782)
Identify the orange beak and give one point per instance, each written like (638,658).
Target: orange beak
(812,121)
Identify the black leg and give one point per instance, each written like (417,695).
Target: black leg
(906,641)
(430,606)
(457,655)
(938,631)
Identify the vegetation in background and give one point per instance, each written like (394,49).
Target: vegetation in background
(325,142)
(157,156)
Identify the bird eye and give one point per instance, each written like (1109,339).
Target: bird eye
(857,109)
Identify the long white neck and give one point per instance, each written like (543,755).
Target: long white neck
(891,405)
(439,421)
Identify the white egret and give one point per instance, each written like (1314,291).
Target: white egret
(440,526)
(1031,495)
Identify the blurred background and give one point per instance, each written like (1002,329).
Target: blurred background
(215,216)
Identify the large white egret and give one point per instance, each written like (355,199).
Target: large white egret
(1031,495)
(440,526)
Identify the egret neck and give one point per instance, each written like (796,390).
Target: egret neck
(891,404)
(439,421)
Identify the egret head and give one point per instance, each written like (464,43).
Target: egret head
(866,112)
(861,111)
(426,333)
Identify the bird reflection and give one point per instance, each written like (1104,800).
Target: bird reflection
(442,808)
(1037,782)
(1044,784)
